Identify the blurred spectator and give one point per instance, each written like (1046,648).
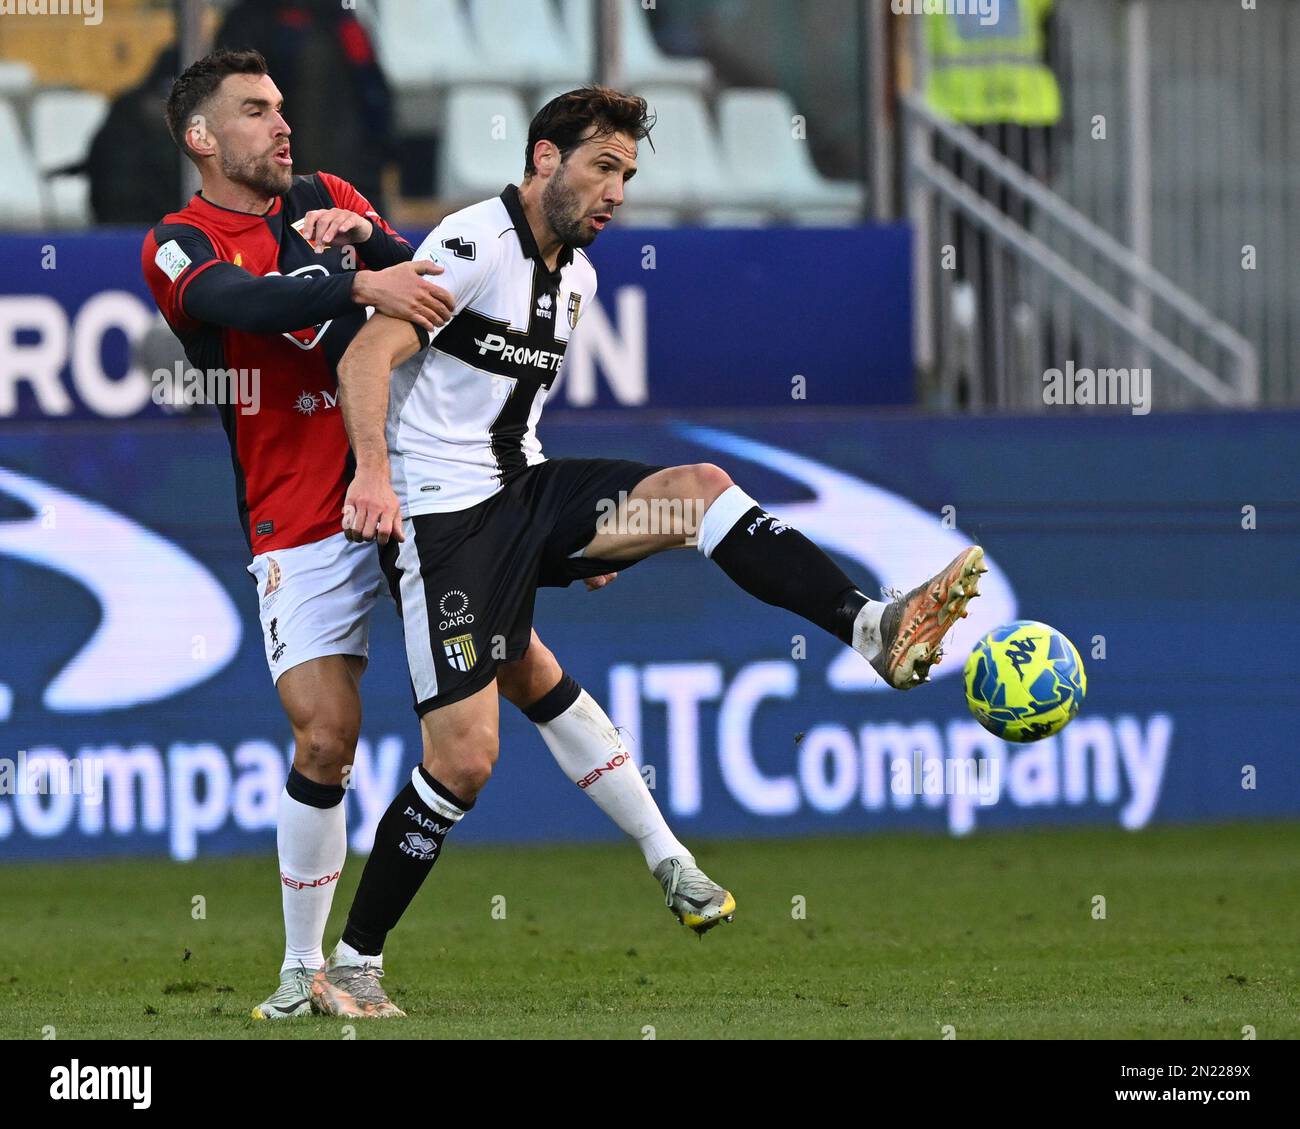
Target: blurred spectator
(135,175)
(336,99)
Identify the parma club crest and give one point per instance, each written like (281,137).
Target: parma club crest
(575,306)
(460,652)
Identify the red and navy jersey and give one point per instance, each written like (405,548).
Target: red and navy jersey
(246,291)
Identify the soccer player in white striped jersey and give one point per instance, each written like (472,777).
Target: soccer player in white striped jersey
(473,518)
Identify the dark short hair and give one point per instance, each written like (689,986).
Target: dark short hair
(565,119)
(200,81)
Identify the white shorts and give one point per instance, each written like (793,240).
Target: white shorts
(315,600)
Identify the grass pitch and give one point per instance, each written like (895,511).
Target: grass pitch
(993,935)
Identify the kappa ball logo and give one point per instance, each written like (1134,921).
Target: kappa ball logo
(455,609)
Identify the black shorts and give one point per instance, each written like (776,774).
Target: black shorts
(464,581)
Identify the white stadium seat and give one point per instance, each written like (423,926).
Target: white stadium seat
(429,43)
(16,79)
(64,122)
(642,61)
(485,130)
(525,43)
(684,169)
(20,187)
(762,152)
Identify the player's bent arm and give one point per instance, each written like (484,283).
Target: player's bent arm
(223,294)
(371,509)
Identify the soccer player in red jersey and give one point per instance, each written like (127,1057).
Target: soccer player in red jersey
(272,273)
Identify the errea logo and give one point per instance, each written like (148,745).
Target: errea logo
(544,304)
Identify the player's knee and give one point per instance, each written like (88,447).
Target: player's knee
(464,761)
(527,679)
(324,749)
(708,482)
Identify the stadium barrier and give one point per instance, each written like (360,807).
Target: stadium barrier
(137,716)
(685,318)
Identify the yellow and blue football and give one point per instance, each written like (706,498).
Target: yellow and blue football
(1024,681)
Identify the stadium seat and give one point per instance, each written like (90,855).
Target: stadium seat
(63,124)
(525,44)
(16,79)
(642,62)
(485,130)
(20,187)
(762,152)
(428,43)
(683,170)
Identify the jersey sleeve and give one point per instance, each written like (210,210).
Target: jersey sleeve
(384,248)
(193,287)
(465,254)
(173,255)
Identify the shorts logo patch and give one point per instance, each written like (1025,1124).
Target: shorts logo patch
(455,610)
(460,652)
(277,648)
(265,527)
(273,576)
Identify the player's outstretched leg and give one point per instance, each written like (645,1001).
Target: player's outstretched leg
(460,749)
(323,704)
(777,564)
(588,748)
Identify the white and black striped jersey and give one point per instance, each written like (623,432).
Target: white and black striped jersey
(463,412)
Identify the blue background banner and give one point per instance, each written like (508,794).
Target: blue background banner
(1164,546)
(684,318)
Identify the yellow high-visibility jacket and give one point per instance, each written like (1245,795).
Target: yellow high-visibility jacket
(982,73)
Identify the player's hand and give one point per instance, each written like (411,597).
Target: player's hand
(371,510)
(594,582)
(402,292)
(328,226)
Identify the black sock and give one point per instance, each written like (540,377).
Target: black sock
(408,841)
(780,566)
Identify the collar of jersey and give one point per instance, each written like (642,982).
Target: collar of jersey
(201,202)
(510,198)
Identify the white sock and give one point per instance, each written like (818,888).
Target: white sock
(866,630)
(345,954)
(585,744)
(313,844)
(727,509)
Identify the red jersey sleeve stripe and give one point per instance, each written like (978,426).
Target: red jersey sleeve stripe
(178,300)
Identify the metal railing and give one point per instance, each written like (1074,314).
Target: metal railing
(1013,286)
